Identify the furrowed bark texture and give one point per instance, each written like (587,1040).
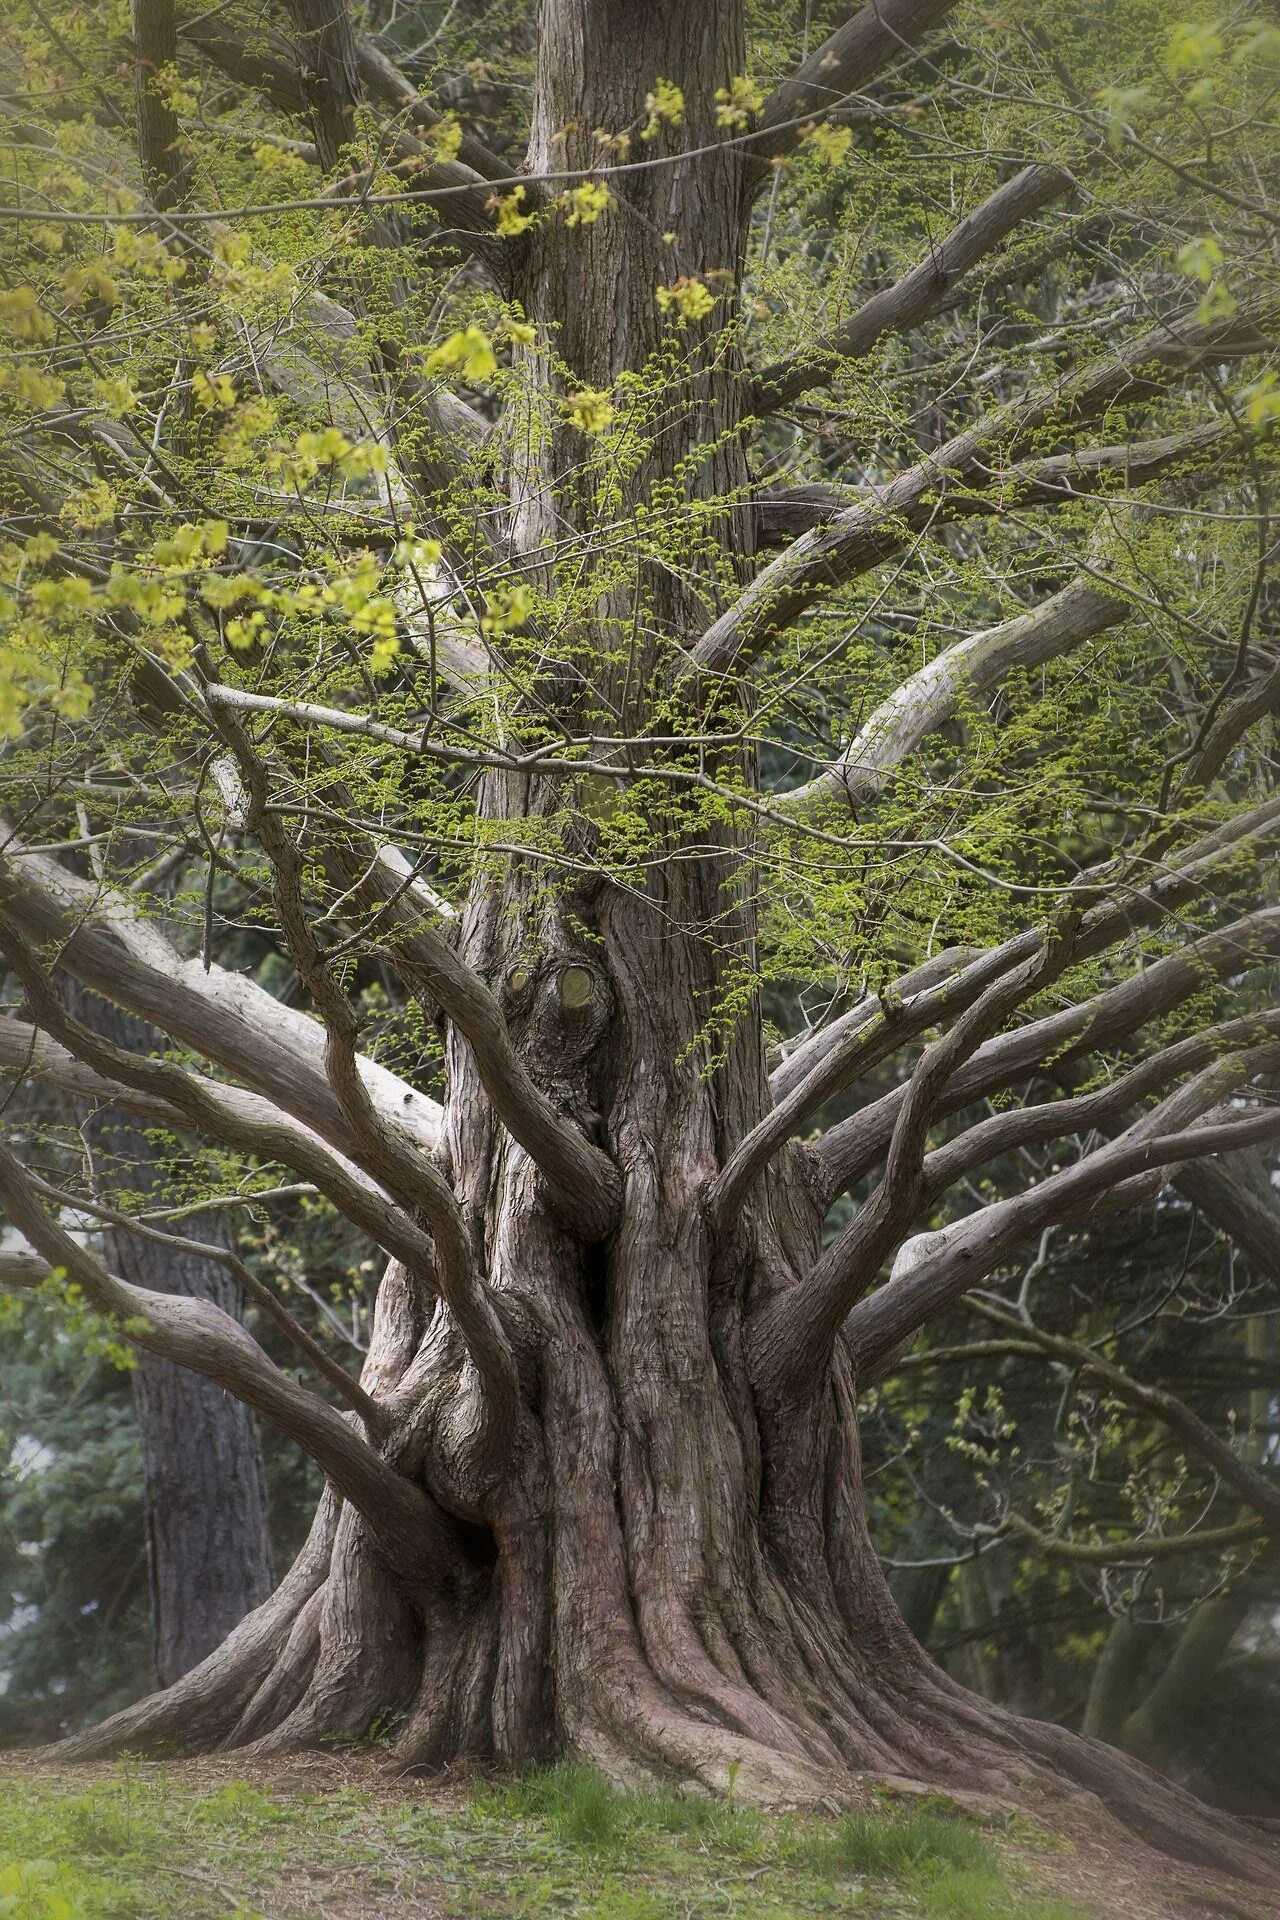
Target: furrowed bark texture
(660,1570)
(208,1545)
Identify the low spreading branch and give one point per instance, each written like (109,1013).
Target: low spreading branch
(105,941)
(935,1271)
(251,1287)
(848,1149)
(1020,1127)
(167,1091)
(197,1334)
(982,489)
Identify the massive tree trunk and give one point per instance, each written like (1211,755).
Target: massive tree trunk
(650,1546)
(208,1545)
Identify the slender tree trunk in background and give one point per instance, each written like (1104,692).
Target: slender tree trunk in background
(208,1546)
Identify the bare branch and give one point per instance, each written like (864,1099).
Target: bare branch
(197,1334)
(853,1145)
(866,1034)
(384,81)
(864,535)
(962,672)
(328,84)
(1027,1126)
(107,942)
(1248,1215)
(936,1269)
(381,1144)
(1156,1546)
(374,1416)
(1053,481)
(843,65)
(813,1050)
(919,293)
(164,1090)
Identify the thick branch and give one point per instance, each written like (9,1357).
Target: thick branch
(1022,1126)
(384,81)
(1158,1546)
(582,1181)
(843,65)
(966,671)
(861,1039)
(957,1258)
(165,1090)
(851,1147)
(350,1390)
(917,295)
(864,535)
(108,944)
(865,1034)
(328,84)
(196,1334)
(382,1146)
(813,1050)
(1053,481)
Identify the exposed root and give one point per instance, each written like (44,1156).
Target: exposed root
(200,1711)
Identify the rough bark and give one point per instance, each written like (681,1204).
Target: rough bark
(208,1545)
(665,1567)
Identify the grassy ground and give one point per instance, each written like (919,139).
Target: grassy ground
(149,1843)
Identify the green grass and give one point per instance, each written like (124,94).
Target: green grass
(150,1843)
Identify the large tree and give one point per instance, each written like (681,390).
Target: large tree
(845,588)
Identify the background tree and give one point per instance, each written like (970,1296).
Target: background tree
(503,697)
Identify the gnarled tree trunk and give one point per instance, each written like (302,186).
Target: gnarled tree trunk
(650,1547)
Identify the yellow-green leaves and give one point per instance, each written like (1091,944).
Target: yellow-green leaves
(190,544)
(508,608)
(446,137)
(1258,45)
(830,144)
(90,281)
(21,315)
(1191,49)
(664,106)
(739,102)
(511,221)
(583,205)
(590,410)
(1202,259)
(115,393)
(213,392)
(1121,107)
(468,352)
(330,448)
(691,298)
(1262,402)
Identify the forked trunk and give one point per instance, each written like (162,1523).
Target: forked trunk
(657,1569)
